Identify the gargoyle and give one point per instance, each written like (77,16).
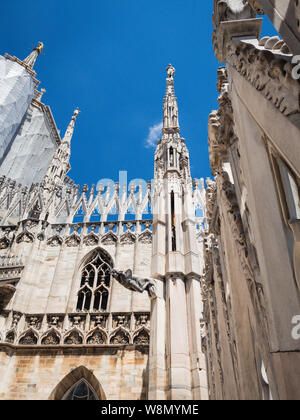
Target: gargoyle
(134,283)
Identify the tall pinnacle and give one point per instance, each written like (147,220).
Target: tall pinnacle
(31,59)
(70,129)
(40,95)
(171,123)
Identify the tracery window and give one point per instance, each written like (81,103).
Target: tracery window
(82,391)
(289,190)
(95,283)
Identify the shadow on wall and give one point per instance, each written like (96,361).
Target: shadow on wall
(144,392)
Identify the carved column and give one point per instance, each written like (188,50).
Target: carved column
(198,362)
(178,352)
(157,358)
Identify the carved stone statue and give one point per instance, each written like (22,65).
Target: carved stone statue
(134,283)
(170,71)
(40,48)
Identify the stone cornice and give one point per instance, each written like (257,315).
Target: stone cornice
(268,72)
(87,349)
(234,29)
(77,330)
(231,19)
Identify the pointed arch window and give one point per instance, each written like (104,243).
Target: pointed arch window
(95,283)
(82,391)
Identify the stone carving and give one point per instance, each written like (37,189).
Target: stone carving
(120,338)
(255,289)
(10,271)
(233,18)
(142,338)
(211,200)
(142,320)
(73,338)
(96,324)
(77,321)
(10,337)
(268,74)
(122,320)
(99,320)
(73,240)
(70,199)
(28,339)
(35,212)
(275,44)
(226,10)
(146,237)
(27,236)
(34,321)
(97,338)
(109,239)
(220,125)
(6,240)
(41,236)
(15,320)
(128,238)
(170,71)
(51,339)
(134,283)
(55,240)
(55,321)
(91,240)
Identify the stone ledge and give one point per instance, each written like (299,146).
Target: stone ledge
(105,349)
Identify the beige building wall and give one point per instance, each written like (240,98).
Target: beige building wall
(251,280)
(115,374)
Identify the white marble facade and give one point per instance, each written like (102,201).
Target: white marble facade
(59,244)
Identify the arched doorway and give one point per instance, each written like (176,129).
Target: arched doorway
(79,385)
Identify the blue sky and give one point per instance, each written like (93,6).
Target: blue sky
(108,57)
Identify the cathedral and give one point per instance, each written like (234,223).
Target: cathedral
(196,297)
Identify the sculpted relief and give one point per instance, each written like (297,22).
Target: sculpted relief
(134,283)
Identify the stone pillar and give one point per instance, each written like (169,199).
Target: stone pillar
(198,361)
(177,349)
(157,361)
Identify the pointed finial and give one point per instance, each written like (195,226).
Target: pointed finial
(170,71)
(39,48)
(70,129)
(40,95)
(31,59)
(76,113)
(170,116)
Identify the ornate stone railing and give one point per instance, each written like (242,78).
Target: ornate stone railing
(10,269)
(76,329)
(72,235)
(68,203)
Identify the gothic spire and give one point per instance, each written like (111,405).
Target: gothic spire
(70,129)
(171,124)
(31,59)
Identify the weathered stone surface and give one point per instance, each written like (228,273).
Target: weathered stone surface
(253,217)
